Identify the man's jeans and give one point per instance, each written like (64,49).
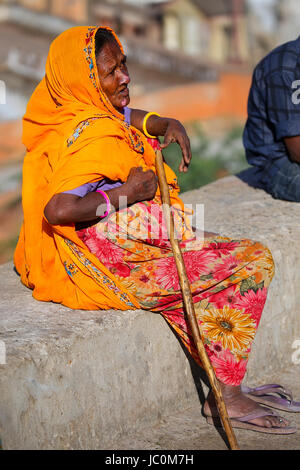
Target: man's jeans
(286,183)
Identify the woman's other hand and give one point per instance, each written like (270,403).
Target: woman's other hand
(175,132)
(171,129)
(65,208)
(141,185)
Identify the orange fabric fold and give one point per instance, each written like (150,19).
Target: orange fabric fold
(73,136)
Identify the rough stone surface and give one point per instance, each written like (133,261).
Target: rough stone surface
(77,379)
(187,429)
(82,380)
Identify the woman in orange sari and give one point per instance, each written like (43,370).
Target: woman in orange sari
(83,246)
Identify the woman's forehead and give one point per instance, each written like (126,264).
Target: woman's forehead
(109,56)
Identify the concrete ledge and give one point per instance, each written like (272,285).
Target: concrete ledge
(79,380)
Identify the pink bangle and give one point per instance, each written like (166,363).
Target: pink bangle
(107,202)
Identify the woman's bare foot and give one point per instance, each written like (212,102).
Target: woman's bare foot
(238,405)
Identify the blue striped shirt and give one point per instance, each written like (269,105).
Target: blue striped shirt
(273,110)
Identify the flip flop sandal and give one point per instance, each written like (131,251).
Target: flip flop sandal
(266,395)
(243,423)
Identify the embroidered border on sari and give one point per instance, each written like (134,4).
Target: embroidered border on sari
(135,141)
(97,274)
(88,55)
(79,129)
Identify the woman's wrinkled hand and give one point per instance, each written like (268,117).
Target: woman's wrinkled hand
(175,132)
(142,185)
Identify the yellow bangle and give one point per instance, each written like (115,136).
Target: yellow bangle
(145,122)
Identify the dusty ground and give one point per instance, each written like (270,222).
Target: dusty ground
(188,430)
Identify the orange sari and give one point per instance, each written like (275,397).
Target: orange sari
(67,101)
(74,136)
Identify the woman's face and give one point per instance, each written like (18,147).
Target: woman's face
(113,75)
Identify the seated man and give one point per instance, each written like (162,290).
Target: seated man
(272,132)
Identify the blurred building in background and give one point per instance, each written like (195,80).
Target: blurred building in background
(288,19)
(215,30)
(167,43)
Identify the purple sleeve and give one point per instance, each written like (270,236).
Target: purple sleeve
(83,189)
(105,184)
(127,115)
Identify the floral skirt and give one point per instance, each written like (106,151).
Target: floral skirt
(229,281)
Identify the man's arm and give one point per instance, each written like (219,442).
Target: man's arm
(293,147)
(171,129)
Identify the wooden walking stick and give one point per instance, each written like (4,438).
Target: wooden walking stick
(188,302)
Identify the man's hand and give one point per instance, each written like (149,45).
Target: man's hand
(293,148)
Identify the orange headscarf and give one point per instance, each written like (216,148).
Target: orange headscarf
(73,136)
